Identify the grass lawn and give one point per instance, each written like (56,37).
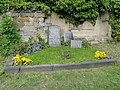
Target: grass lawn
(62,54)
(112,49)
(103,78)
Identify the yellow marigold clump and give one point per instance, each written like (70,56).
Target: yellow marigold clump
(100,55)
(19,60)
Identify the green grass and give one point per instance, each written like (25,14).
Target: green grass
(103,78)
(58,55)
(1,65)
(112,49)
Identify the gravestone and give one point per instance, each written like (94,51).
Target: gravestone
(68,36)
(54,38)
(34,47)
(76,44)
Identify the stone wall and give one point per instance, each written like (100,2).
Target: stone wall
(99,32)
(32,24)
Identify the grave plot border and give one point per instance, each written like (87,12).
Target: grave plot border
(52,67)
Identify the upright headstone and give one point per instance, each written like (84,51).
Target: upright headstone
(68,36)
(54,38)
(76,44)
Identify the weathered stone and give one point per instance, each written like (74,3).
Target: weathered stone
(36,24)
(15,14)
(37,68)
(68,36)
(52,67)
(28,23)
(46,28)
(41,20)
(9,13)
(12,69)
(20,23)
(48,24)
(41,24)
(35,20)
(22,19)
(26,32)
(54,36)
(83,65)
(26,14)
(87,26)
(25,38)
(39,14)
(31,20)
(76,44)
(35,46)
(38,20)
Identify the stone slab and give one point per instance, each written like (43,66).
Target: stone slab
(54,38)
(15,14)
(76,44)
(68,36)
(52,67)
(37,68)
(84,65)
(26,14)
(87,26)
(28,23)
(39,14)
(12,69)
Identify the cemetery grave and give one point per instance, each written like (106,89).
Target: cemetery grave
(73,56)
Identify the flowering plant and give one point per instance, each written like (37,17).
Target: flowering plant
(100,55)
(19,60)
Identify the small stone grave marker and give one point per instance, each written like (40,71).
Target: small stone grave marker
(68,36)
(76,44)
(34,46)
(54,38)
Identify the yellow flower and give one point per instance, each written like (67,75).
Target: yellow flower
(100,55)
(27,60)
(23,59)
(20,60)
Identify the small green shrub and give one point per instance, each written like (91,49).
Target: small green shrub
(8,36)
(43,43)
(64,43)
(85,43)
(21,48)
(38,38)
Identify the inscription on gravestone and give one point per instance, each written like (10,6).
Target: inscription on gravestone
(68,36)
(76,44)
(54,38)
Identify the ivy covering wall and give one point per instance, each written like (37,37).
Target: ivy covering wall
(73,11)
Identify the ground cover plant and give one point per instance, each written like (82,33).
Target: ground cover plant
(62,55)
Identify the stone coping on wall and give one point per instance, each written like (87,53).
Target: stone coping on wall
(27,14)
(52,67)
